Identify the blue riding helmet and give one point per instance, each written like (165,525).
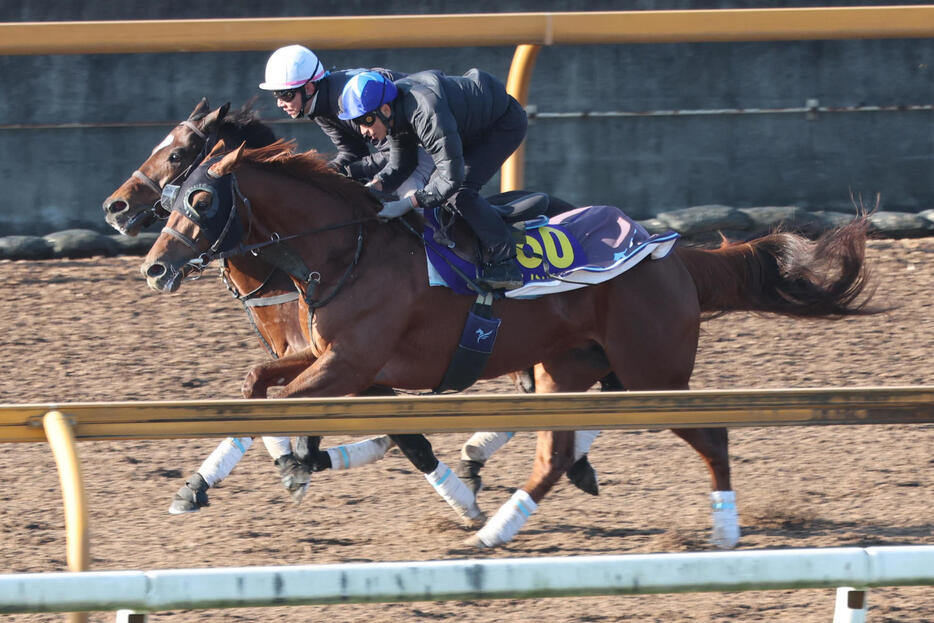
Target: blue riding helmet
(364,93)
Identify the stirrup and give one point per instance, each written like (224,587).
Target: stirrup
(503,275)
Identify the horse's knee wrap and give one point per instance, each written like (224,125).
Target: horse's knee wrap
(417,449)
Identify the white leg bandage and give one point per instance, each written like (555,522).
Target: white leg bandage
(508,520)
(725,533)
(583,439)
(277,446)
(455,492)
(359,453)
(481,446)
(224,458)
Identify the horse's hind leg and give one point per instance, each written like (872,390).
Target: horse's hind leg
(477,450)
(418,450)
(713,446)
(554,454)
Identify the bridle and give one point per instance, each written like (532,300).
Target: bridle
(226,233)
(210,141)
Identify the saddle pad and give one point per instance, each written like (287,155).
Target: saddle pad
(574,249)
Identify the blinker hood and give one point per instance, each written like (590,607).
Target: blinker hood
(218,221)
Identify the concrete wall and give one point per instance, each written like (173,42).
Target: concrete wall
(72,128)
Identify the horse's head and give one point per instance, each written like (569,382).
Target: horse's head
(203,222)
(135,204)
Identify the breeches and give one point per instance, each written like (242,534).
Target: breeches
(482,159)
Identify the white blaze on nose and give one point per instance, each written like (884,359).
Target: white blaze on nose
(165,143)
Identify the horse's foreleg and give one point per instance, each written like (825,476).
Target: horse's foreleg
(713,446)
(280,371)
(452,489)
(192,496)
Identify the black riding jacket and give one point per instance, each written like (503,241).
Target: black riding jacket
(353,154)
(443,114)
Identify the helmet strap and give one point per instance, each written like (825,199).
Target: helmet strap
(384,118)
(305,99)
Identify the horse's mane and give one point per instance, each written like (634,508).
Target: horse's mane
(309,167)
(243,125)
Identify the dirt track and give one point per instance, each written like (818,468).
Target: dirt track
(90,330)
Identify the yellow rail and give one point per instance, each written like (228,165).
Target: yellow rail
(59,431)
(397,31)
(468,413)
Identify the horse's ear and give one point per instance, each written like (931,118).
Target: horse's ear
(215,117)
(228,163)
(200,110)
(219,148)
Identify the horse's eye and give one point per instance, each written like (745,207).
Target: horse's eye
(175,156)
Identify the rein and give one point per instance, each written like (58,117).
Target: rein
(274,251)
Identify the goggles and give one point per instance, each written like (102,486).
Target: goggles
(366,120)
(286,95)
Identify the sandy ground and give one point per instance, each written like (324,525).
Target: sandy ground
(91,330)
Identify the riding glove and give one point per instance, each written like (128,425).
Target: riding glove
(394,209)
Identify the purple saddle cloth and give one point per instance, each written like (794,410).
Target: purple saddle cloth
(571,250)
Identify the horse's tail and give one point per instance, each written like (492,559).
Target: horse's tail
(785,273)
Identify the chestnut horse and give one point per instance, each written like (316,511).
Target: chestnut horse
(373,318)
(269,298)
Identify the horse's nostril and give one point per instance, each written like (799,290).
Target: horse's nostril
(155,271)
(116,206)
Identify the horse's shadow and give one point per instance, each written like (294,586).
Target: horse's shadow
(849,533)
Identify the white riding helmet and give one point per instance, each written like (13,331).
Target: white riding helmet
(291,67)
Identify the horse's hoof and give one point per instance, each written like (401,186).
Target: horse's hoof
(298,492)
(475,541)
(469,472)
(191,497)
(476,522)
(180,507)
(295,476)
(583,476)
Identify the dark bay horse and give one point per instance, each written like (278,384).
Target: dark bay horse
(270,300)
(374,319)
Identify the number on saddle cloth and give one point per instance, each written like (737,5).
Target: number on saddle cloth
(581,247)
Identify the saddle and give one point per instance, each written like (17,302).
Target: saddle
(559,247)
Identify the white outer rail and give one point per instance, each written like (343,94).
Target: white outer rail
(152,591)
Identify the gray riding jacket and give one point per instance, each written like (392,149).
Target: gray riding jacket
(444,114)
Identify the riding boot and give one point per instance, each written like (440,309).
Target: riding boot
(500,271)
(191,497)
(295,476)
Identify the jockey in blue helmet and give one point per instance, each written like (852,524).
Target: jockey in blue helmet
(304,88)
(469,125)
